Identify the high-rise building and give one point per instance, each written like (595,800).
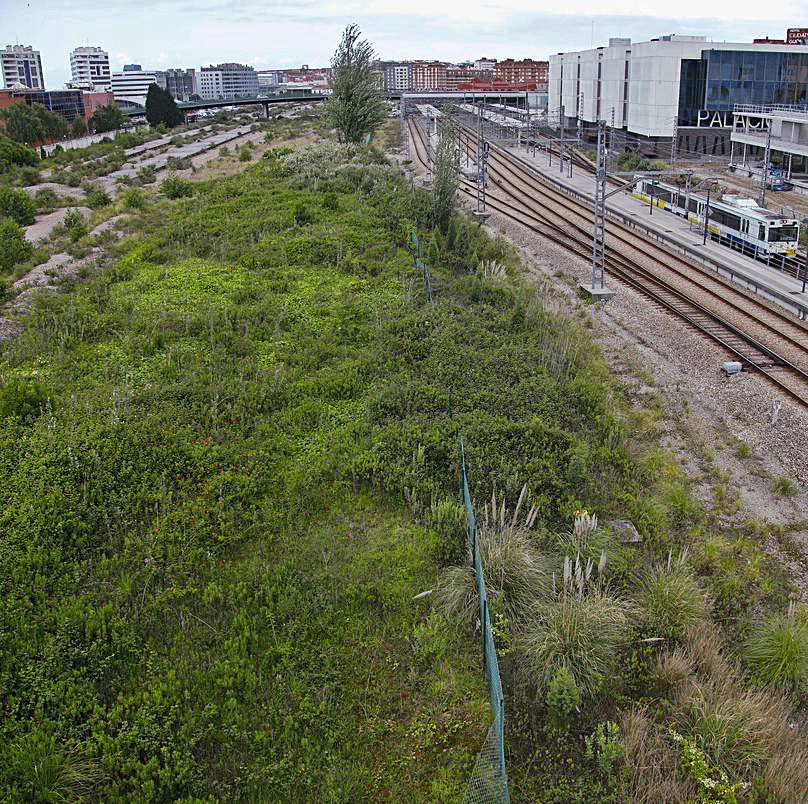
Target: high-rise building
(180,83)
(428,75)
(524,70)
(21,64)
(397,77)
(89,66)
(225,81)
(131,86)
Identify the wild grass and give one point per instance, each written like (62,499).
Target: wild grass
(777,651)
(669,598)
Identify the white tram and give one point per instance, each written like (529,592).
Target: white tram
(737,221)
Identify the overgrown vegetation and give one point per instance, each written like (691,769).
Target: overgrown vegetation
(228,472)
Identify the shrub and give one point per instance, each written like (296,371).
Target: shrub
(14,248)
(97,198)
(784,487)
(14,153)
(224,151)
(75,224)
(563,696)
(582,633)
(669,598)
(245,153)
(175,187)
(45,199)
(777,652)
(604,746)
(28,176)
(16,204)
(146,174)
(134,198)
(303,214)
(22,399)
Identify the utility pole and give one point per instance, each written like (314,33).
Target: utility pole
(765,175)
(651,193)
(674,141)
(561,139)
(482,166)
(611,136)
(599,229)
(706,217)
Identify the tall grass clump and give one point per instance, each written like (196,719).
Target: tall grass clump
(581,627)
(670,599)
(516,573)
(777,652)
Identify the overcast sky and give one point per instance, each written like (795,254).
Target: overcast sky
(288,33)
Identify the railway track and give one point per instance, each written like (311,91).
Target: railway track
(751,330)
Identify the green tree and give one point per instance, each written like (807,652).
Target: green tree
(54,125)
(162,108)
(356,107)
(14,247)
(107,118)
(445,174)
(13,153)
(79,127)
(16,204)
(23,124)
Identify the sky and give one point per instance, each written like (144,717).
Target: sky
(288,33)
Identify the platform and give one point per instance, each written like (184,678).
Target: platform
(769,282)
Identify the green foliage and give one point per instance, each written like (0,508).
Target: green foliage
(176,187)
(134,198)
(45,199)
(22,399)
(670,599)
(97,197)
(78,127)
(245,153)
(17,205)
(563,696)
(14,154)
(445,176)
(75,224)
(162,108)
(14,248)
(605,747)
(146,174)
(356,106)
(32,123)
(107,118)
(777,652)
(713,784)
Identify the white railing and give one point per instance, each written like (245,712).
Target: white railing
(769,110)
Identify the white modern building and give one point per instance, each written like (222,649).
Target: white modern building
(485,64)
(89,66)
(21,65)
(225,81)
(131,86)
(674,85)
(398,77)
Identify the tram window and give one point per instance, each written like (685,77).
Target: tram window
(725,219)
(694,205)
(680,201)
(780,234)
(662,195)
(761,232)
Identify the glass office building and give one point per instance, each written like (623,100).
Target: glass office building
(722,78)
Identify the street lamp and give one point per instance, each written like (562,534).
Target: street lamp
(706,217)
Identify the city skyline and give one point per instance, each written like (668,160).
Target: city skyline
(288,35)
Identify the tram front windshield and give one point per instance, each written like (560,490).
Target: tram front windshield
(779,234)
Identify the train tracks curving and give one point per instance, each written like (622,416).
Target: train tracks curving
(750,329)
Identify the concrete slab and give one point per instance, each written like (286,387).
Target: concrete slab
(597,294)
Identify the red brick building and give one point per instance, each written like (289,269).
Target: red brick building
(526,70)
(428,75)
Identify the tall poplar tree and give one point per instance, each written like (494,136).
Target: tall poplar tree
(356,107)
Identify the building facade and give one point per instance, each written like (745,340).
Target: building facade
(182,84)
(89,67)
(21,65)
(131,86)
(484,63)
(521,71)
(681,86)
(398,77)
(224,81)
(428,75)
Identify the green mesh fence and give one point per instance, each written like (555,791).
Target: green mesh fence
(489,780)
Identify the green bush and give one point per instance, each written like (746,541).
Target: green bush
(17,205)
(134,198)
(563,696)
(75,224)
(146,174)
(22,399)
(176,187)
(15,154)
(98,198)
(14,248)
(303,214)
(245,153)
(45,199)
(777,652)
